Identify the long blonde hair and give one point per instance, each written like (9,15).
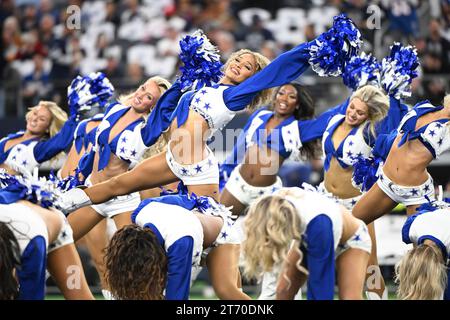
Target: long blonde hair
(162,83)
(270,226)
(59,116)
(421,274)
(264,96)
(377,104)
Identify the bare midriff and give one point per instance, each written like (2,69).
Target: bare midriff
(260,166)
(338,181)
(407,165)
(188,142)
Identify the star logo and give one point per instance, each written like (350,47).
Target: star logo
(198,168)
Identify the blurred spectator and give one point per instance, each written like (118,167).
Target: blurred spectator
(29,19)
(224,41)
(11,38)
(134,77)
(403,20)
(30,46)
(113,69)
(36,85)
(435,90)
(132,12)
(217,12)
(255,35)
(46,36)
(112,14)
(46,8)
(437,46)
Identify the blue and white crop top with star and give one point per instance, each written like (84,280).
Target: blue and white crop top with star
(321,230)
(29,154)
(82,138)
(219,104)
(130,144)
(435,135)
(359,141)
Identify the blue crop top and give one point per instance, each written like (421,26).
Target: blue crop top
(26,155)
(130,144)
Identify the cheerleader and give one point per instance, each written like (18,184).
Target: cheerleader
(423,135)
(168,252)
(422,274)
(200,113)
(90,95)
(121,139)
(47,133)
(330,239)
(34,237)
(257,175)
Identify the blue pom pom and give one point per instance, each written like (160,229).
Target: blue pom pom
(84,92)
(332,49)
(398,70)
(365,172)
(201,62)
(36,190)
(362,70)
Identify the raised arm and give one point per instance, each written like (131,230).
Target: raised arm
(45,150)
(314,128)
(285,68)
(161,116)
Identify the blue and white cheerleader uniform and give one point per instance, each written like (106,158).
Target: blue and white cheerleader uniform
(183,240)
(129,145)
(434,225)
(322,226)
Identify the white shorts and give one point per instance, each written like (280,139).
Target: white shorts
(407,195)
(65,235)
(348,203)
(203,172)
(359,240)
(116,205)
(246,193)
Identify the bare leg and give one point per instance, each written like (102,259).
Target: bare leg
(122,219)
(82,221)
(351,272)
(150,173)
(223,267)
(96,241)
(65,267)
(228,200)
(374,279)
(372,205)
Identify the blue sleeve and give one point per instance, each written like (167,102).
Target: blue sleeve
(45,150)
(320,258)
(80,133)
(161,116)
(179,257)
(32,272)
(285,68)
(314,128)
(395,114)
